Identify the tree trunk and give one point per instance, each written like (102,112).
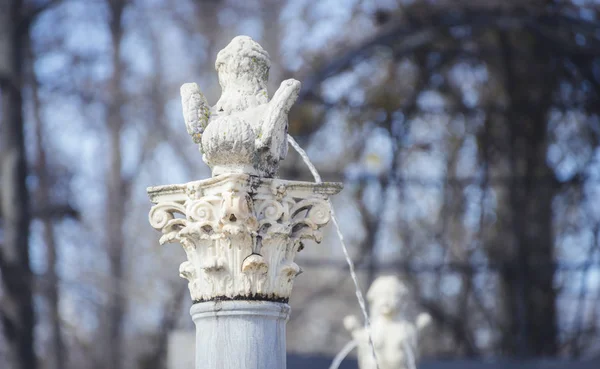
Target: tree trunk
(51,282)
(523,240)
(16,307)
(115,197)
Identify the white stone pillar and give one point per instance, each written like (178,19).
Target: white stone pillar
(242,228)
(240,334)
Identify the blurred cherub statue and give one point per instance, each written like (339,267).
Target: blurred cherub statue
(244,132)
(395,335)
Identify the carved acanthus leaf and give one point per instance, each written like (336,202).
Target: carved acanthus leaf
(162,217)
(241,235)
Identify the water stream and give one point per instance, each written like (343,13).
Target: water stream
(359,294)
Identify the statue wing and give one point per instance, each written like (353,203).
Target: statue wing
(274,126)
(196,111)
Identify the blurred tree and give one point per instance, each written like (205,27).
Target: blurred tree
(17,300)
(115,191)
(43,198)
(529,53)
(16,307)
(531,72)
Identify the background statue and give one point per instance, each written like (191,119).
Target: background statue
(395,335)
(244,132)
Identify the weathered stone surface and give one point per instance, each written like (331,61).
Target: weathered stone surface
(395,335)
(241,229)
(241,233)
(243,132)
(240,334)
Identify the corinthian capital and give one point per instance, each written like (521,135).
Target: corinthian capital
(241,233)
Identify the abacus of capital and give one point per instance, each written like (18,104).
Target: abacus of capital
(242,228)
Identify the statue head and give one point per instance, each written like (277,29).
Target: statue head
(243,63)
(387,297)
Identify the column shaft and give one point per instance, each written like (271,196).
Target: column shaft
(240,334)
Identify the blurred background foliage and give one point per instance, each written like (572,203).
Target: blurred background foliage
(467,134)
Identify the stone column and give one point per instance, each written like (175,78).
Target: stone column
(242,228)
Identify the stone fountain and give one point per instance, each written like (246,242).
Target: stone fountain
(242,228)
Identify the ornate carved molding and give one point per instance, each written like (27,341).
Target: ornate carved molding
(241,233)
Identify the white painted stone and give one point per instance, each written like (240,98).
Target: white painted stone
(241,233)
(240,334)
(241,229)
(243,132)
(395,336)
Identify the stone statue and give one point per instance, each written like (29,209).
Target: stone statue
(395,335)
(244,132)
(241,229)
